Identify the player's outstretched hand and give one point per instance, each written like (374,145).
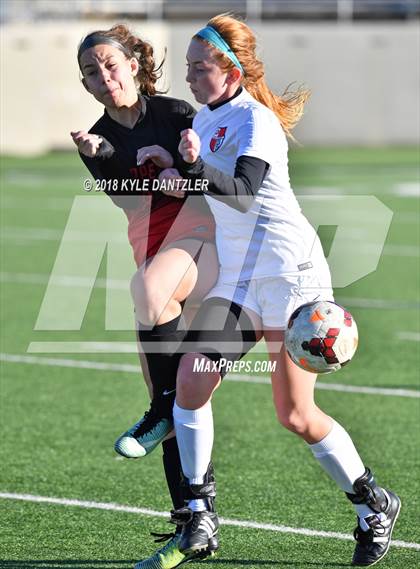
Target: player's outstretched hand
(156,154)
(171,174)
(190,144)
(92,145)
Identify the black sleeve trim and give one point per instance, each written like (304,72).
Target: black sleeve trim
(236,191)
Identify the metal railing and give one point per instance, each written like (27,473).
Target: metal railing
(32,10)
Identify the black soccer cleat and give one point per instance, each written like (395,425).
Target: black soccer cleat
(372,545)
(199,531)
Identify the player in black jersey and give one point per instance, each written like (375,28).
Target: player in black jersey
(172,239)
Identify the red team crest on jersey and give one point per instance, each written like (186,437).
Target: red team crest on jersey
(218,138)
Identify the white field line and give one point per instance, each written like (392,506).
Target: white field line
(336,387)
(410,336)
(109,506)
(96,347)
(64,281)
(31,234)
(83,364)
(401,251)
(65,204)
(129,368)
(407,190)
(55,204)
(82,348)
(402,190)
(23,180)
(115,284)
(378,303)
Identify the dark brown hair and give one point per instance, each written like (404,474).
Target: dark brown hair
(131,46)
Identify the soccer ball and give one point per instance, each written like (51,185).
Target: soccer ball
(321,337)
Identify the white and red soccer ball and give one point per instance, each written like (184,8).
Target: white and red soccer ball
(321,337)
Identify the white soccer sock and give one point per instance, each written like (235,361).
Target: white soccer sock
(197,505)
(194,433)
(363,511)
(338,456)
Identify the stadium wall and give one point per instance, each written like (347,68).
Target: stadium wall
(364,78)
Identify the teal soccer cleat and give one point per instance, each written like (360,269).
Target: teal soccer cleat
(145,435)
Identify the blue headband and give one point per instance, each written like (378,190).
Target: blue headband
(212,36)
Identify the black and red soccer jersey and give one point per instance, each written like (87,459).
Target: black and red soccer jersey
(151,214)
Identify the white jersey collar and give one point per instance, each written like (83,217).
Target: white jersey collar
(243,96)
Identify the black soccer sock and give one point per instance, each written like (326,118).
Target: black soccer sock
(160,345)
(173,472)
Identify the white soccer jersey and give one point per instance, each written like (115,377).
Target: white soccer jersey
(273,238)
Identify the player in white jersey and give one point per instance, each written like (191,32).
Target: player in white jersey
(271,261)
(271,238)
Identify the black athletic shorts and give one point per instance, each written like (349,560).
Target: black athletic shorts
(222,331)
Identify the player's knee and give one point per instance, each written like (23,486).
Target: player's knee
(195,384)
(294,420)
(147,298)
